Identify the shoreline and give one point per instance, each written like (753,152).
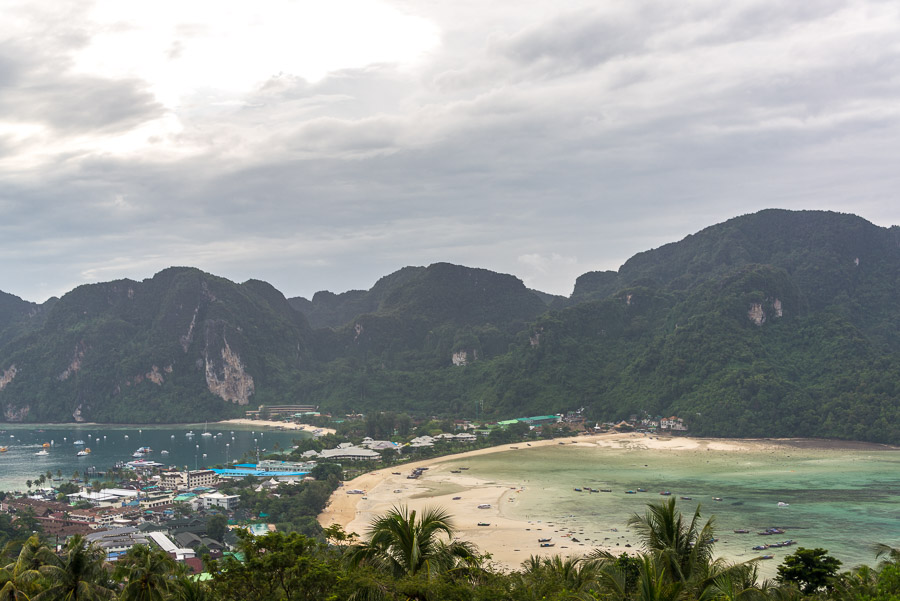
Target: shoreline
(268,424)
(275,425)
(511,540)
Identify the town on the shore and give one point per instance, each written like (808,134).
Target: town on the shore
(197,514)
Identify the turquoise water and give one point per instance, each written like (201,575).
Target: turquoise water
(110,444)
(841,500)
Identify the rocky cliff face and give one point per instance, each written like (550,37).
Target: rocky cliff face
(182,340)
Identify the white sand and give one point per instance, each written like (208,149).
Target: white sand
(509,541)
(263,423)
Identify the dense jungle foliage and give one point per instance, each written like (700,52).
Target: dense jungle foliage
(777,323)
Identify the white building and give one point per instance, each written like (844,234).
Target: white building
(217,499)
(188,480)
(166,544)
(351,453)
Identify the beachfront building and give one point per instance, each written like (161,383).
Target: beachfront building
(540,420)
(380,445)
(672,423)
(422,441)
(350,453)
(188,480)
(279,411)
(289,470)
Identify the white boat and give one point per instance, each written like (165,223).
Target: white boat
(79,442)
(42,452)
(83,453)
(783,504)
(142,463)
(164,452)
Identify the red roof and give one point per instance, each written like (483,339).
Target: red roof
(195,564)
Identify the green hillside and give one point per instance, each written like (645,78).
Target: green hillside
(777,323)
(181,346)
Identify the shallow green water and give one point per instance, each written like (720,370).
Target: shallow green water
(841,500)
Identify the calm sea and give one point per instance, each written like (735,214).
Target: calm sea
(840,500)
(110,444)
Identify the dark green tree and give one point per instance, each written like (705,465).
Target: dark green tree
(216,526)
(282,567)
(810,569)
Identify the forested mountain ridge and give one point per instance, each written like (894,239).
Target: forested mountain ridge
(777,323)
(181,346)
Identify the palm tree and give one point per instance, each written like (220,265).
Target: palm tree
(406,544)
(684,549)
(77,576)
(576,576)
(890,554)
(22,578)
(148,574)
(681,552)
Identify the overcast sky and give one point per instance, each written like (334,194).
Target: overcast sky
(322,145)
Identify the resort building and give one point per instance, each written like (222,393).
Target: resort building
(350,453)
(188,480)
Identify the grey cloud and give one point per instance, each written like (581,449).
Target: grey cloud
(579,39)
(39,87)
(579,140)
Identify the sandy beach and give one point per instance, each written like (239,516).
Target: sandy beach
(262,423)
(511,540)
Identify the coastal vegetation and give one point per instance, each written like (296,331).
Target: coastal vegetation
(778,323)
(410,556)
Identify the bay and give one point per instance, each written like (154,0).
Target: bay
(838,497)
(112,443)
